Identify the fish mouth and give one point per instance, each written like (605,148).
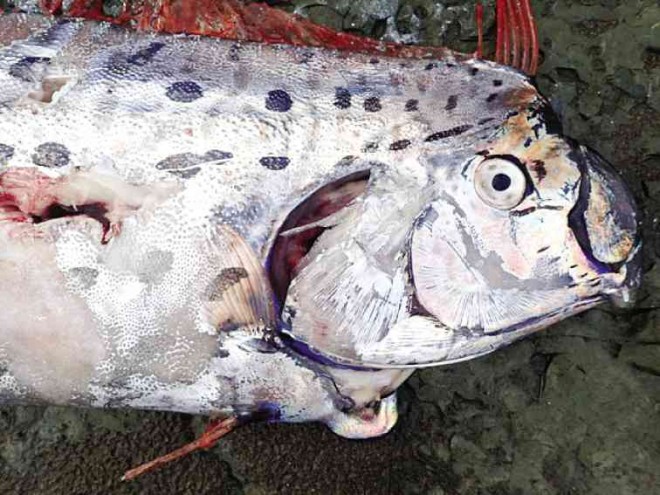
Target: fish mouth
(303,226)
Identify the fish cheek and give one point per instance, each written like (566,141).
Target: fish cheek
(471,271)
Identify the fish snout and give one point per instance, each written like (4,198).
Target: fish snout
(606,223)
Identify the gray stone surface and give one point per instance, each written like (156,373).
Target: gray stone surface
(575,409)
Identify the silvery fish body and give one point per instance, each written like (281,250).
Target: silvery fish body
(204,226)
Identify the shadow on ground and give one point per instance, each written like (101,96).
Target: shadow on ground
(575,409)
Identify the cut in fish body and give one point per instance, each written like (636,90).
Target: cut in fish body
(215,227)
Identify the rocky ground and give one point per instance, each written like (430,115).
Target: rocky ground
(575,409)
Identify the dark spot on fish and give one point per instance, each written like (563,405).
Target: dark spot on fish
(342,98)
(227,278)
(483,153)
(452,101)
(573,266)
(538,167)
(214,155)
(306,56)
(6,153)
(572,285)
(234,52)
(412,106)
(522,213)
(221,353)
(370,147)
(473,71)
(144,56)
(372,104)
(400,145)
(430,66)
(84,276)
(178,161)
(583,275)
(184,91)
(346,161)
(528,142)
(186,173)
(497,82)
(454,131)
(491,97)
(278,100)
(23,68)
(52,155)
(186,165)
(485,121)
(543,249)
(550,207)
(374,61)
(274,162)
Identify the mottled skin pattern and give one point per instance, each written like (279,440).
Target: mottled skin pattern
(192,152)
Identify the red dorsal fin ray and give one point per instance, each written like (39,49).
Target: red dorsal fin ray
(517,38)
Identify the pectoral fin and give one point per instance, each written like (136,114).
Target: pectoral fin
(240,294)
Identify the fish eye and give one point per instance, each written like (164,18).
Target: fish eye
(500,183)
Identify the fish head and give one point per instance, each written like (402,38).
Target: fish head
(532,228)
(489,239)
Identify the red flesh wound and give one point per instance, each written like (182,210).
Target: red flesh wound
(26,195)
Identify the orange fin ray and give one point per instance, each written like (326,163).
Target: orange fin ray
(215,430)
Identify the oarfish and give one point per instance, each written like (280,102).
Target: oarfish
(252,231)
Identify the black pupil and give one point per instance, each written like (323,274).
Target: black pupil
(501,182)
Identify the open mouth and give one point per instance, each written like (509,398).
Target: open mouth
(302,228)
